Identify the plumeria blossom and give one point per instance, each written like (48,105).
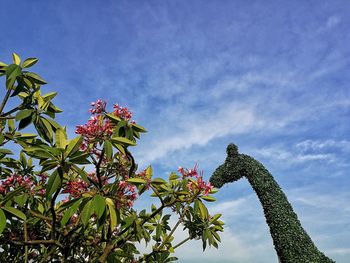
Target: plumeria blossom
(126,195)
(98,107)
(197,184)
(76,188)
(122,112)
(15,180)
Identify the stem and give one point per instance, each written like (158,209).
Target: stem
(53,212)
(98,174)
(11,111)
(157,194)
(181,243)
(37,242)
(38,215)
(132,160)
(25,240)
(106,252)
(3,103)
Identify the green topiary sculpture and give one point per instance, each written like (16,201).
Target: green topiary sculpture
(292,243)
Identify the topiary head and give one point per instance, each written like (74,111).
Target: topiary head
(231,170)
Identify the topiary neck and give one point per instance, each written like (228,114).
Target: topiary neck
(291,241)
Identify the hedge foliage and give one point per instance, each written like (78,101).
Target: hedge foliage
(292,243)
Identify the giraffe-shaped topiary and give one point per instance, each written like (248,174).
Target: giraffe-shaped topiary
(292,243)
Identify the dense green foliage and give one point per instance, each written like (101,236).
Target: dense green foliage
(73,200)
(292,243)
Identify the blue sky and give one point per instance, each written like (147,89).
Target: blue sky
(270,76)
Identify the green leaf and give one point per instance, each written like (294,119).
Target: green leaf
(19,88)
(113,118)
(49,96)
(11,125)
(29,62)
(112,213)
(136,180)
(44,129)
(23,114)
(214,190)
(98,205)
(86,213)
(215,217)
(27,136)
(5,151)
(173,176)
(35,78)
(216,236)
(61,138)
(54,124)
(17,213)
(123,141)
(208,198)
(16,58)
(81,158)
(149,172)
(203,211)
(81,172)
(53,184)
(21,199)
(108,150)
(70,212)
(2,221)
(37,152)
(12,72)
(24,122)
(12,194)
(73,145)
(138,128)
(158,232)
(2,64)
(158,181)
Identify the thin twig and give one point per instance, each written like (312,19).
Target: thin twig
(4,101)
(181,243)
(25,240)
(98,173)
(37,242)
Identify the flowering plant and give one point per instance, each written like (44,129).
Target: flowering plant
(74,200)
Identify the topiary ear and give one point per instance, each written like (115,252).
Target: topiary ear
(232,150)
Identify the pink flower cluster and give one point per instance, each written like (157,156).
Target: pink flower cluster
(198,184)
(98,107)
(14,181)
(122,112)
(126,195)
(94,178)
(97,127)
(75,188)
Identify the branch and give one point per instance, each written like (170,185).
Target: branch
(4,101)
(11,111)
(38,215)
(98,174)
(37,242)
(25,240)
(181,243)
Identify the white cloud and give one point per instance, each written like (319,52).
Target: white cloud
(289,157)
(199,130)
(318,145)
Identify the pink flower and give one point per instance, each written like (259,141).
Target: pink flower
(98,107)
(197,185)
(75,188)
(188,172)
(122,112)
